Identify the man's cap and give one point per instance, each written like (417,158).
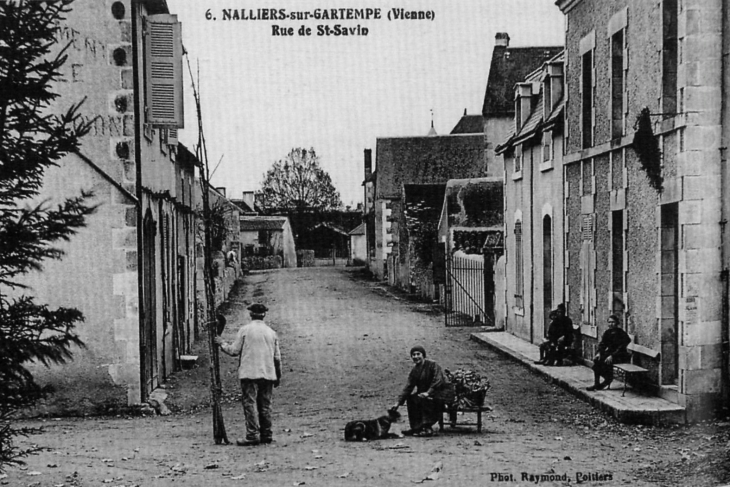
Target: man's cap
(258,309)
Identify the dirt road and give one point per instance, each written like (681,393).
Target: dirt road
(345,343)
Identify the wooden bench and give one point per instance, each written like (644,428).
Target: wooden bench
(453,416)
(629,371)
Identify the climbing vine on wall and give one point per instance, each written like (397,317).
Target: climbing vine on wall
(422,222)
(646,145)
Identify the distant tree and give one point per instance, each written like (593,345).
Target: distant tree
(32,139)
(298,182)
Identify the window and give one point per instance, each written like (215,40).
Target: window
(617,83)
(519,161)
(617,261)
(587,270)
(547,261)
(547,146)
(263,237)
(547,98)
(587,98)
(519,278)
(669,56)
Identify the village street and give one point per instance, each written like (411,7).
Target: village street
(345,343)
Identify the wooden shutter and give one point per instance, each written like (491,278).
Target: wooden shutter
(172,136)
(163,68)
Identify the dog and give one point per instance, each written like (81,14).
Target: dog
(372,429)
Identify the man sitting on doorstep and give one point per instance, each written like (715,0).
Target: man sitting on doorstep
(611,350)
(559,338)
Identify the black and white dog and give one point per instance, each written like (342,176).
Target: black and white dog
(372,429)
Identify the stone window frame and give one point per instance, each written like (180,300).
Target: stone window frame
(519,158)
(618,24)
(670,99)
(519,291)
(588,45)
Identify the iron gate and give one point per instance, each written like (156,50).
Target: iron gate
(468,291)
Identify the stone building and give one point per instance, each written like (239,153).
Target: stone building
(264,236)
(468,152)
(508,66)
(132,270)
(650,249)
(533,189)
(430,159)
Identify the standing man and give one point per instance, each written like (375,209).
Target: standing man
(259,371)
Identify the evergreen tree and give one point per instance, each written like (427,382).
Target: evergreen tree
(32,139)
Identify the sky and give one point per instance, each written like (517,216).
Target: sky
(264,94)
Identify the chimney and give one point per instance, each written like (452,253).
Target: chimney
(221,190)
(249,199)
(368,162)
(501,39)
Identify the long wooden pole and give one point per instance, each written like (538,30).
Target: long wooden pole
(201,152)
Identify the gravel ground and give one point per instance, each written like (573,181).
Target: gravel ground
(345,343)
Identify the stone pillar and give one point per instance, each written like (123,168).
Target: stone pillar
(700,295)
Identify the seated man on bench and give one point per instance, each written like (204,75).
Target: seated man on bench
(611,350)
(559,338)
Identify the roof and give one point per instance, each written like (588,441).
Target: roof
(372,177)
(469,124)
(156,7)
(255,223)
(331,226)
(536,122)
(509,66)
(358,230)
(426,160)
(184,156)
(243,206)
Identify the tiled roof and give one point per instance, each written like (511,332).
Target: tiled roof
(372,177)
(469,124)
(557,111)
(534,119)
(243,206)
(331,226)
(536,122)
(509,66)
(426,160)
(255,223)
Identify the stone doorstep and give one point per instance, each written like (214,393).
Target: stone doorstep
(633,408)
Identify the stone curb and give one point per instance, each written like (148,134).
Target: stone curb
(624,415)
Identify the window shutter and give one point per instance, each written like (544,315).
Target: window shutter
(172,136)
(626,80)
(163,57)
(593,98)
(587,228)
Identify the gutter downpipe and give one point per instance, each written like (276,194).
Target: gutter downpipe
(725,209)
(136,62)
(532,242)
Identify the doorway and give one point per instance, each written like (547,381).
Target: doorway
(669,242)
